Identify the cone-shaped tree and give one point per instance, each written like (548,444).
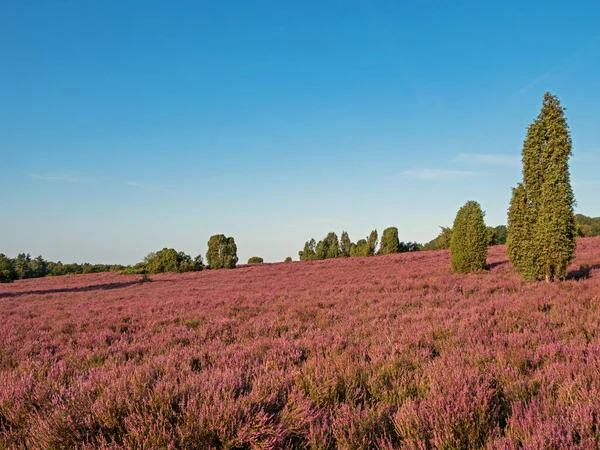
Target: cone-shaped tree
(543,247)
(519,243)
(468,245)
(389,241)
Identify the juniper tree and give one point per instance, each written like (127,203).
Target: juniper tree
(469,242)
(389,241)
(545,200)
(519,243)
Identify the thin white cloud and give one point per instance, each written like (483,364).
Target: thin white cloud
(55,178)
(440,174)
(491,159)
(564,65)
(150,187)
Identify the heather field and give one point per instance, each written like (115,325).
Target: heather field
(383,352)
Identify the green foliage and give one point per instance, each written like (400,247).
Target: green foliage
(541,211)
(7,271)
(389,241)
(372,242)
(500,235)
(21,266)
(519,244)
(587,226)
(308,253)
(490,233)
(365,247)
(255,260)
(38,267)
(345,244)
(331,247)
(137,269)
(328,248)
(288,259)
(469,242)
(410,247)
(442,241)
(222,252)
(170,260)
(165,260)
(496,235)
(361,248)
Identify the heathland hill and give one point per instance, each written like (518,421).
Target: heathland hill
(390,351)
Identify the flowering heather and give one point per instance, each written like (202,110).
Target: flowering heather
(384,352)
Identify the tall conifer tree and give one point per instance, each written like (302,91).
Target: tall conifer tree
(541,225)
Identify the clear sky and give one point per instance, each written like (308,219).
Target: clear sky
(128,126)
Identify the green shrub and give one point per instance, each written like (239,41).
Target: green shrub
(165,260)
(255,260)
(468,246)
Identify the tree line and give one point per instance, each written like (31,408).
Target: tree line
(587,226)
(24,266)
(221,254)
(332,247)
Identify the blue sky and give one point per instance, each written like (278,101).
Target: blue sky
(128,126)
